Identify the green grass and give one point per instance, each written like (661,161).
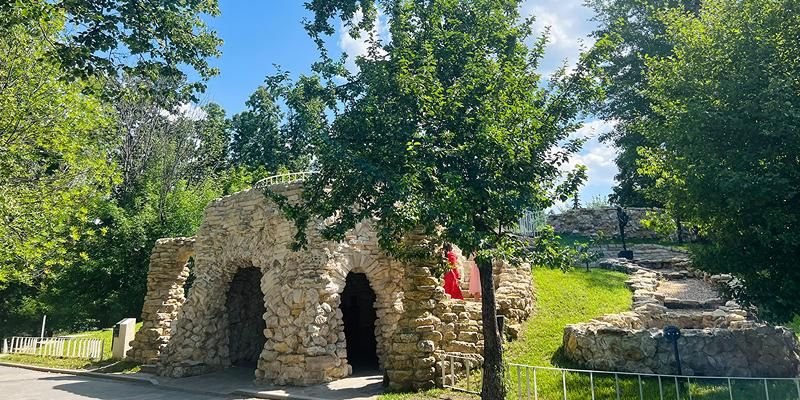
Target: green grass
(795,325)
(79,363)
(571,240)
(566,298)
(561,299)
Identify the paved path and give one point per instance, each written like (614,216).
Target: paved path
(23,384)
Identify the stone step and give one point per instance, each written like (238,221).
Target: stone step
(148,368)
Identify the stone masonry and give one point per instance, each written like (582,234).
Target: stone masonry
(717,338)
(593,221)
(165,279)
(303,330)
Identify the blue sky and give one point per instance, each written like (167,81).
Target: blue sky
(259,34)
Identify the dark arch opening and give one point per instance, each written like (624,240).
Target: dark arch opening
(245,307)
(358,315)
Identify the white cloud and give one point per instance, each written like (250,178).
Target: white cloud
(191,111)
(598,158)
(359,47)
(570,26)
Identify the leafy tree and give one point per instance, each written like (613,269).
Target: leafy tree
(275,131)
(213,132)
(446,130)
(148,38)
(54,157)
(635,27)
(727,104)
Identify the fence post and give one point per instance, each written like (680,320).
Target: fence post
(730,389)
(444,380)
(5,346)
(766,389)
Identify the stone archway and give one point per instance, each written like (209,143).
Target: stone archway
(245,311)
(359,318)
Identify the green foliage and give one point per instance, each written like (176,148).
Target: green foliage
(150,39)
(54,158)
(549,251)
(597,202)
(727,107)
(638,33)
(448,131)
(274,135)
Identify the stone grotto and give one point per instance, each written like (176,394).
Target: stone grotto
(306,317)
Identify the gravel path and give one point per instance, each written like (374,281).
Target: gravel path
(687,289)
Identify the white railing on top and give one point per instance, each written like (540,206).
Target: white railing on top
(530,223)
(290,177)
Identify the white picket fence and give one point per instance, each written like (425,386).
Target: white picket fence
(65,346)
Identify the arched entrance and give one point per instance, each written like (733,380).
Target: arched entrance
(245,307)
(358,315)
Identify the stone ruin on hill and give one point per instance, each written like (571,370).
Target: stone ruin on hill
(718,338)
(592,222)
(307,317)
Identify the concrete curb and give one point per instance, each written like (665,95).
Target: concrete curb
(272,396)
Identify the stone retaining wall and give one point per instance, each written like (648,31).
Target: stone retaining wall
(304,335)
(722,342)
(593,221)
(166,277)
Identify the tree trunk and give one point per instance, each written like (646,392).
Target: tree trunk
(493,386)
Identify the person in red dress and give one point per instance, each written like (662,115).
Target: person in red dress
(452,276)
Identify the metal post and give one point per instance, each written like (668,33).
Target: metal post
(5,346)
(730,389)
(591,382)
(641,389)
(616,383)
(677,390)
(766,389)
(660,389)
(519,382)
(444,372)
(564,382)
(528,379)
(797,383)
(689,387)
(44,320)
(535,386)
(452,371)
(467,362)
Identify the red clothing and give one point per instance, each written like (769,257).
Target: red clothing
(451,283)
(451,258)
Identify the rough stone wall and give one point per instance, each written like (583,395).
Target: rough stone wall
(304,335)
(166,276)
(592,221)
(743,349)
(305,342)
(718,342)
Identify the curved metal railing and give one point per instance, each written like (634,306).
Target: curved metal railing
(290,177)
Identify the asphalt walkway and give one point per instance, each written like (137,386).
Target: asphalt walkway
(23,384)
(232,383)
